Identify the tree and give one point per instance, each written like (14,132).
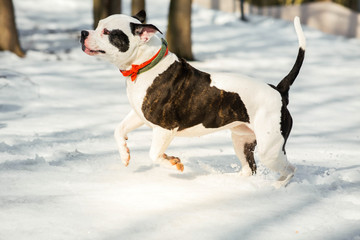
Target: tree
(105,8)
(242,16)
(179,28)
(9,39)
(137,6)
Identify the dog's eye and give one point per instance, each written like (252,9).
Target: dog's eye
(106,32)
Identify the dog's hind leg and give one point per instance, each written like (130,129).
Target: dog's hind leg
(271,152)
(244,143)
(161,140)
(130,122)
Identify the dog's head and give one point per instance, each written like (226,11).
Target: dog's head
(118,37)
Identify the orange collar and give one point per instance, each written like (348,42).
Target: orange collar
(137,69)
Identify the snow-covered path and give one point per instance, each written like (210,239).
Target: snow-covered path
(60,174)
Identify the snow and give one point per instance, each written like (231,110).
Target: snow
(61,176)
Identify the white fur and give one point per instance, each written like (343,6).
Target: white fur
(299,33)
(262,102)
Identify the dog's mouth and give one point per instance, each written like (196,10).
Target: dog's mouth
(92,52)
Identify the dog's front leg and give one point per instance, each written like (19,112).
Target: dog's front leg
(130,122)
(161,140)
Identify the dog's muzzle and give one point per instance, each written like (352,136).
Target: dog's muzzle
(84,35)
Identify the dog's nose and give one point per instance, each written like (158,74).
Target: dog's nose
(84,34)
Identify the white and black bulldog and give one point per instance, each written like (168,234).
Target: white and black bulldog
(175,99)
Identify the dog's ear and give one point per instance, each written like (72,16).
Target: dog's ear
(141,16)
(145,31)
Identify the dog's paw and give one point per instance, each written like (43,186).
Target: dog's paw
(284,180)
(124,154)
(246,171)
(174,161)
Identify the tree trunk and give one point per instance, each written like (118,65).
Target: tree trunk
(242,14)
(9,39)
(105,8)
(137,6)
(179,28)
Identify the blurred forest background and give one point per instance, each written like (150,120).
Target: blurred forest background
(352,4)
(179,19)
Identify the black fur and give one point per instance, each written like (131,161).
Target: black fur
(181,97)
(283,88)
(286,121)
(249,154)
(285,124)
(141,16)
(119,39)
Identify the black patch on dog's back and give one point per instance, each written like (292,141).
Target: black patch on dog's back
(182,97)
(119,39)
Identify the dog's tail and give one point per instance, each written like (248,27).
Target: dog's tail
(284,86)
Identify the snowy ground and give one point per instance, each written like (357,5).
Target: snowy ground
(60,174)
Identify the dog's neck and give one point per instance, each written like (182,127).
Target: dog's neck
(147,65)
(148,50)
(144,52)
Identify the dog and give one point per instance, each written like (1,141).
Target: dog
(175,99)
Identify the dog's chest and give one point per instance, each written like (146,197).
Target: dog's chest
(136,91)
